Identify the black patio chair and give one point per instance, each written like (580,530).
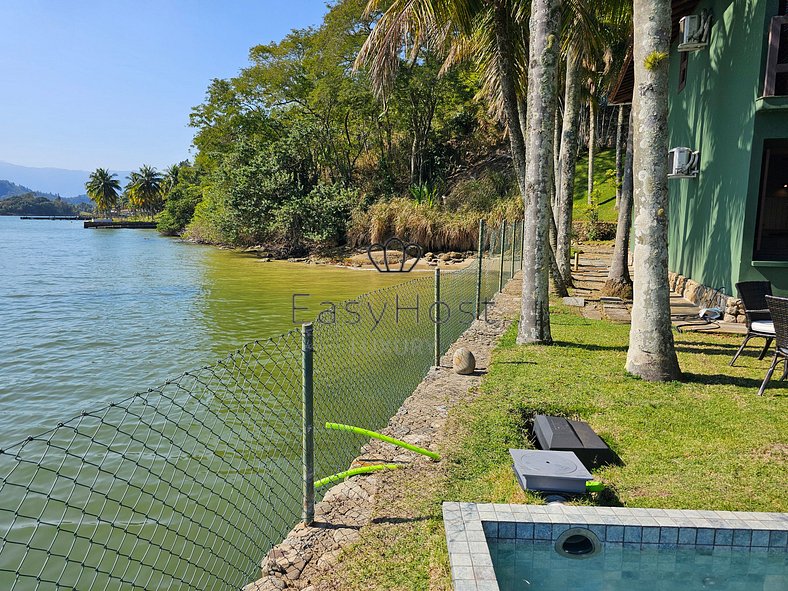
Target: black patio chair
(759,320)
(779,310)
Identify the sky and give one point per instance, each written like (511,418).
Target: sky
(111,83)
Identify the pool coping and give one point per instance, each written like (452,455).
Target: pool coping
(470,525)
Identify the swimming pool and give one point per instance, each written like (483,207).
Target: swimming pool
(546,547)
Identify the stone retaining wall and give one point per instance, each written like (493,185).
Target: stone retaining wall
(707,297)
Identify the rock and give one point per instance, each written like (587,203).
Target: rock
(574,301)
(680,284)
(741,320)
(446,256)
(432,263)
(463,362)
(429,256)
(693,291)
(729,318)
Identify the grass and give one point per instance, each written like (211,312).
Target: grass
(707,442)
(604,183)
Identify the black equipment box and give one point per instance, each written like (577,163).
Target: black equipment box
(560,434)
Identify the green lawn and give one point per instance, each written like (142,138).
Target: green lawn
(604,182)
(708,442)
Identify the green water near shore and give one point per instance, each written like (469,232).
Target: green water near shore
(189,484)
(89,316)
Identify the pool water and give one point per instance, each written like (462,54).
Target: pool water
(537,566)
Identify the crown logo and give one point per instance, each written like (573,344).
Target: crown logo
(398,256)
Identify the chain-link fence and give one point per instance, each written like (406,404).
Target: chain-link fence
(188,485)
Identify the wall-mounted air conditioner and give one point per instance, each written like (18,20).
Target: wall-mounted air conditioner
(683,163)
(694,31)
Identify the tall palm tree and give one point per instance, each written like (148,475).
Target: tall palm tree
(545,23)
(103,189)
(651,354)
(145,189)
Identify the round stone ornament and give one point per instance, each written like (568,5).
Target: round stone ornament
(463,361)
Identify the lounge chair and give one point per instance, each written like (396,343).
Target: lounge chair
(759,320)
(779,310)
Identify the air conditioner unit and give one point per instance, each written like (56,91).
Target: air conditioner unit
(683,163)
(694,31)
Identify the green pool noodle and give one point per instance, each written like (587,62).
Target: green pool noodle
(594,486)
(353,472)
(386,438)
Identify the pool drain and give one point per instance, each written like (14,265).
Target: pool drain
(578,542)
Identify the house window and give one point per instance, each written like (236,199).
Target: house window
(776,80)
(771,235)
(683,61)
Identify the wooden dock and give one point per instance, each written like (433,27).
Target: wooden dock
(51,217)
(120,224)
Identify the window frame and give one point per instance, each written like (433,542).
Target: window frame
(769,145)
(773,69)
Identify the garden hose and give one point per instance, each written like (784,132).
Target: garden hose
(375,435)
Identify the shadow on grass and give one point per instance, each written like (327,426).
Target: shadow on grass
(724,380)
(589,346)
(397,520)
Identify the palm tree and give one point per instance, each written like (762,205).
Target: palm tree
(651,354)
(496,33)
(545,23)
(593,33)
(171,176)
(145,189)
(103,189)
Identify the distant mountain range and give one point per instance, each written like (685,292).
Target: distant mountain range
(10,189)
(50,182)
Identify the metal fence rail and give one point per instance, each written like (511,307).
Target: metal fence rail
(188,485)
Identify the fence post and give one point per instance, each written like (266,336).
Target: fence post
(514,244)
(522,246)
(480,258)
(307,417)
(437,319)
(503,255)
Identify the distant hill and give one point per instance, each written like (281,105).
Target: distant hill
(51,180)
(32,204)
(9,189)
(78,200)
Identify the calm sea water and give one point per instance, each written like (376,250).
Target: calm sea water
(93,315)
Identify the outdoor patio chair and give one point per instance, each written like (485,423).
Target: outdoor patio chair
(779,310)
(759,320)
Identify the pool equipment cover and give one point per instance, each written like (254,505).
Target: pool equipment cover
(560,434)
(550,471)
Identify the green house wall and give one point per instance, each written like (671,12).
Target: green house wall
(713,216)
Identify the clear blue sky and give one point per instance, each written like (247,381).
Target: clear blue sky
(90,83)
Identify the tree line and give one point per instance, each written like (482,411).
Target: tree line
(391,98)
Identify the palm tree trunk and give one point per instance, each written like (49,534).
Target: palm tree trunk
(651,354)
(591,147)
(619,283)
(534,324)
(567,164)
(619,152)
(507,76)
